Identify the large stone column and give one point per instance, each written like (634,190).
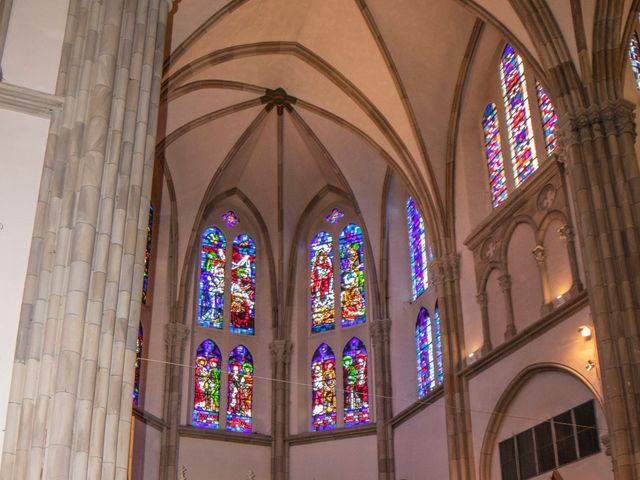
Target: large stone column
(280,359)
(70,405)
(604,180)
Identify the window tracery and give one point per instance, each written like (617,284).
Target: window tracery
(493,149)
(417,249)
(549,119)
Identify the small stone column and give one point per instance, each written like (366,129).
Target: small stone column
(567,233)
(540,256)
(482,300)
(280,360)
(505,286)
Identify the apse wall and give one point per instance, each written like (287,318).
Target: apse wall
(35,32)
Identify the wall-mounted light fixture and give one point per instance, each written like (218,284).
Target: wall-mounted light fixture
(585,332)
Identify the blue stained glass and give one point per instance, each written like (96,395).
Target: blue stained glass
(516,104)
(335,215)
(243,285)
(417,249)
(548,117)
(147,257)
(634,57)
(497,178)
(212,262)
(206,396)
(323,389)
(352,276)
(138,366)
(424,354)
(356,390)
(436,321)
(321,282)
(240,393)
(230,219)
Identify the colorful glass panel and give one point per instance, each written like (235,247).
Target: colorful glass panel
(417,249)
(212,262)
(136,379)
(493,147)
(206,396)
(549,119)
(243,285)
(322,293)
(634,57)
(240,393)
(230,219)
(334,216)
(424,354)
(147,257)
(436,325)
(323,389)
(356,390)
(352,294)
(516,104)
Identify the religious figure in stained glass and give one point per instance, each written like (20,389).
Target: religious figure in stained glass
(634,57)
(352,294)
(147,257)
(436,324)
(424,354)
(212,262)
(240,393)
(138,366)
(417,249)
(323,389)
(493,147)
(356,390)
(322,293)
(516,104)
(243,285)
(548,117)
(206,395)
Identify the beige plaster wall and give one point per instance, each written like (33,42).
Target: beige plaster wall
(146,452)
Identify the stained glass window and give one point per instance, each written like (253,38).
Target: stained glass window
(147,257)
(323,389)
(136,379)
(548,117)
(356,390)
(436,325)
(322,293)
(516,104)
(240,393)
(334,216)
(212,261)
(417,249)
(352,276)
(424,354)
(230,219)
(497,179)
(206,396)
(634,57)
(243,285)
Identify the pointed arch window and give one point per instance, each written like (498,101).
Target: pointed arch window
(355,376)
(424,354)
(138,366)
(516,103)
(493,148)
(206,397)
(212,263)
(352,277)
(634,57)
(321,281)
(417,249)
(323,389)
(438,345)
(240,390)
(147,257)
(243,285)
(549,119)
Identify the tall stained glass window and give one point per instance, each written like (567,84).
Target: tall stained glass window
(138,366)
(516,104)
(243,285)
(424,354)
(493,147)
(356,390)
(323,389)
(147,257)
(417,249)
(548,117)
(206,396)
(240,393)
(352,276)
(212,262)
(436,325)
(634,57)
(322,293)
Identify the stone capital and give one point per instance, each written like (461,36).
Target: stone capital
(567,232)
(614,117)
(539,253)
(281,351)
(482,299)
(445,269)
(505,282)
(379,329)
(175,333)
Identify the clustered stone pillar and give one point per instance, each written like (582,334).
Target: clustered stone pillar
(604,179)
(567,234)
(380,329)
(540,256)
(69,414)
(505,286)
(280,360)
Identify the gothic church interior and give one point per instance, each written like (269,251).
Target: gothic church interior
(296,240)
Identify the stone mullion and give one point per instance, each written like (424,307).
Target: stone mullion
(482,300)
(505,286)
